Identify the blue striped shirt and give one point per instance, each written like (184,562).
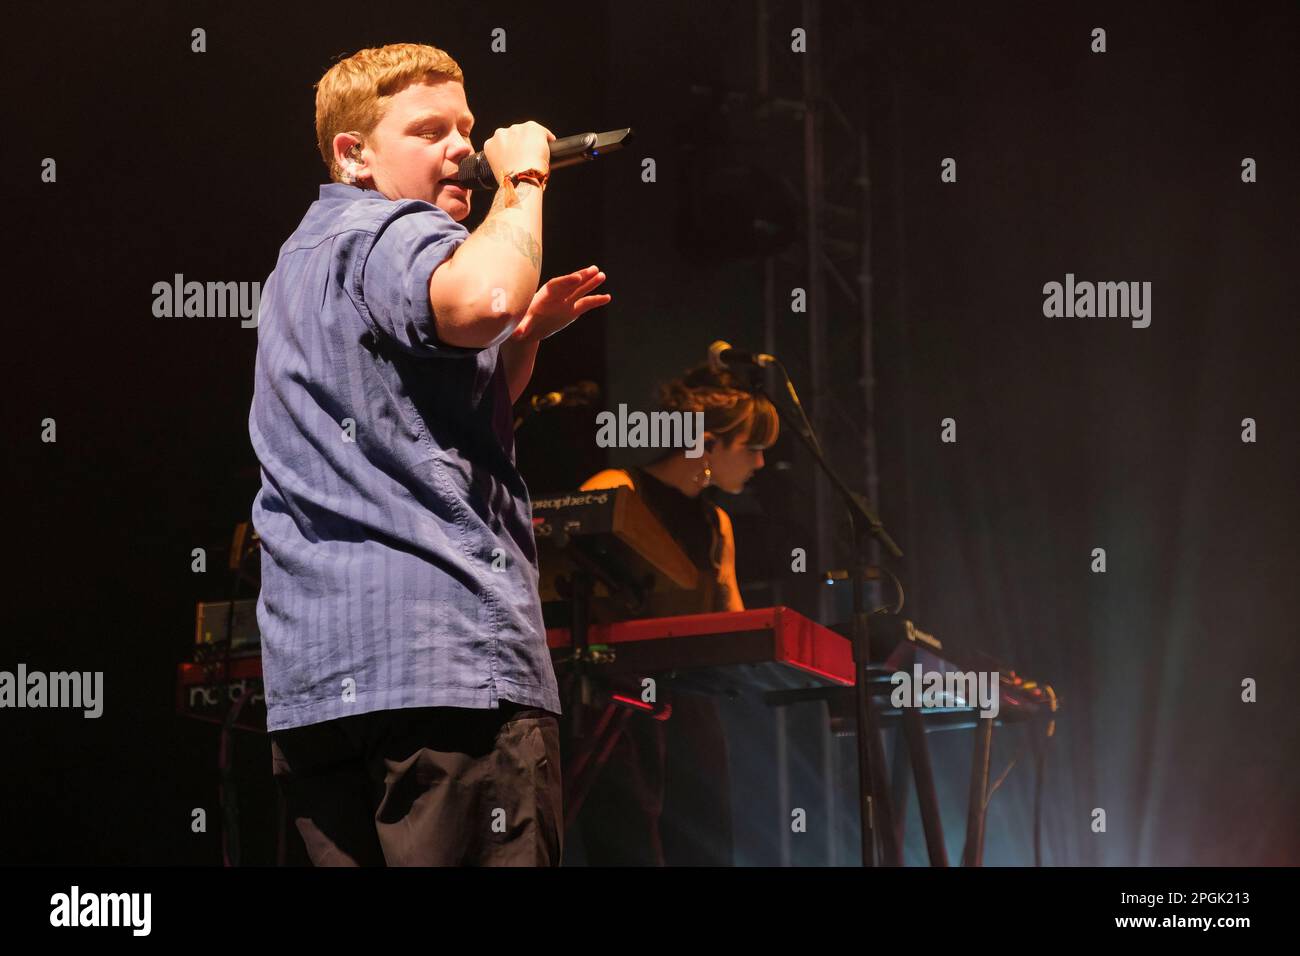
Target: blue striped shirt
(398,562)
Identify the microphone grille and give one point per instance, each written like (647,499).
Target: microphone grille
(715,354)
(477,171)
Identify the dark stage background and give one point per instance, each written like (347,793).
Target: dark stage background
(1073,434)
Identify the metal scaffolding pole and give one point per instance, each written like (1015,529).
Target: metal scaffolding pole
(815,201)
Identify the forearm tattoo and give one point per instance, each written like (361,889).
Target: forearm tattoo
(521,239)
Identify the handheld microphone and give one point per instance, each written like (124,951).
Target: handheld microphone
(722,356)
(475,171)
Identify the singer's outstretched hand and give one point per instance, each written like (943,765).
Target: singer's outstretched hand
(559,302)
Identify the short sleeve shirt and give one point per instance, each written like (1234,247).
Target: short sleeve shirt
(399,567)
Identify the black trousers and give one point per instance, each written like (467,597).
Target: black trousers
(428,786)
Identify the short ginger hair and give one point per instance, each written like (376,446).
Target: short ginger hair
(352,95)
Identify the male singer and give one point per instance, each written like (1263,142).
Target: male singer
(409,690)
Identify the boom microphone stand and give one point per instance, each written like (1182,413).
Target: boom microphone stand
(873,793)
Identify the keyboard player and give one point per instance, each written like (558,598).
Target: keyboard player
(664,796)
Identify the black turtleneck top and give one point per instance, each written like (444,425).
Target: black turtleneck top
(693,523)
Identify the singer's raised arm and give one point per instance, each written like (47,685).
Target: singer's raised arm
(480,294)
(555,305)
